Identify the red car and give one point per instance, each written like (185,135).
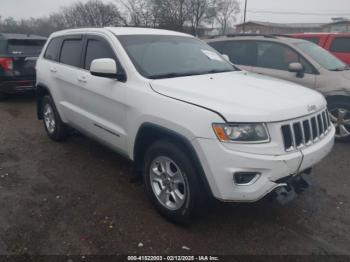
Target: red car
(336,43)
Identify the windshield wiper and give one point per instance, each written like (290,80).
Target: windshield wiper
(215,71)
(171,75)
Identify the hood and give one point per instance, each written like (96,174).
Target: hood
(243,97)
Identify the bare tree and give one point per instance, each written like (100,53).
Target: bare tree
(197,10)
(226,10)
(139,12)
(94,13)
(170,14)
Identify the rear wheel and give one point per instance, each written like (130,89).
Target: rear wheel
(339,112)
(53,124)
(172,183)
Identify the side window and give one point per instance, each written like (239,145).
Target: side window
(53,49)
(341,45)
(96,49)
(71,52)
(278,56)
(241,52)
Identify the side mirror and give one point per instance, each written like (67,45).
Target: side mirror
(104,67)
(226,57)
(296,68)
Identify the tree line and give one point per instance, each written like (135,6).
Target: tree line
(180,15)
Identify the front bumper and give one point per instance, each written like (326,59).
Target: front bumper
(221,163)
(17,86)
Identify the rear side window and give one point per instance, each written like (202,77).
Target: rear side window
(25,47)
(97,49)
(341,45)
(240,52)
(314,40)
(71,52)
(53,49)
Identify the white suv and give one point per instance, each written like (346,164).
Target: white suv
(193,124)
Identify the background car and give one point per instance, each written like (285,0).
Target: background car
(336,43)
(298,61)
(18,55)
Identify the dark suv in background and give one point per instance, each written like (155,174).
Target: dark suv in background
(18,55)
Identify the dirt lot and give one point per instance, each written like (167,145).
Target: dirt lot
(76,198)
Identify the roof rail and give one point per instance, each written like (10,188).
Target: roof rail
(250,34)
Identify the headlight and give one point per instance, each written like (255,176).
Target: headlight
(241,132)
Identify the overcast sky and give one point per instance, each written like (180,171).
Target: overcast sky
(262,10)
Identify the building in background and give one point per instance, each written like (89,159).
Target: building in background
(339,24)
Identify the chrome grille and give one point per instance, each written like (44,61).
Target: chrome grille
(301,133)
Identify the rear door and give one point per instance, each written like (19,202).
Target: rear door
(102,100)
(66,72)
(340,47)
(273,59)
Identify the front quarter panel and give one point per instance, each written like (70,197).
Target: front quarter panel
(147,106)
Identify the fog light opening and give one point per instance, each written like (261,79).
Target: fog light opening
(245,178)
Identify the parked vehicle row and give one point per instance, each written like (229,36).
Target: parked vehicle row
(298,61)
(18,55)
(195,125)
(336,43)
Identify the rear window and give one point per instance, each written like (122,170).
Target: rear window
(25,47)
(341,45)
(53,49)
(71,52)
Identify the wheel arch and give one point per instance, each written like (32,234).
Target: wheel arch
(148,133)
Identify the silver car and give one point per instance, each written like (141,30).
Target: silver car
(298,61)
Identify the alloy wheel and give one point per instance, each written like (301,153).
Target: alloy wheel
(340,117)
(49,118)
(168,183)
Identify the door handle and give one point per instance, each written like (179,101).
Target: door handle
(82,79)
(53,70)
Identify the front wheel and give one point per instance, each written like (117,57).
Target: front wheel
(172,182)
(339,112)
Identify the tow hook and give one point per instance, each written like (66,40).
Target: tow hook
(290,188)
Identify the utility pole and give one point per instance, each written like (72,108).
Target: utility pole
(245,15)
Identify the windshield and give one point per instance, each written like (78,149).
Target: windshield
(165,56)
(321,56)
(25,47)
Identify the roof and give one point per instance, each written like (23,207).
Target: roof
(286,25)
(22,36)
(276,38)
(122,31)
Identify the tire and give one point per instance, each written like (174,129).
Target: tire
(184,187)
(339,111)
(55,128)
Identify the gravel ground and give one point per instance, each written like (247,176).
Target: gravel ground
(76,198)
